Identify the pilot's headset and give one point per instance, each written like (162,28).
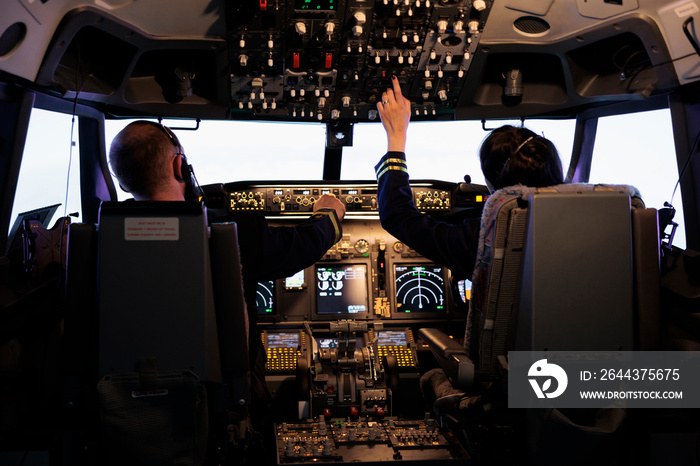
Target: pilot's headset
(192,190)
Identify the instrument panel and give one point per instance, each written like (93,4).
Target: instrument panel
(368,274)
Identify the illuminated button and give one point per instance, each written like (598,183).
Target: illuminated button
(354,411)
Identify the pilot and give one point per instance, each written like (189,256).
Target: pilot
(509,156)
(150,163)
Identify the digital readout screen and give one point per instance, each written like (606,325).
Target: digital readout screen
(341,289)
(283,340)
(392,338)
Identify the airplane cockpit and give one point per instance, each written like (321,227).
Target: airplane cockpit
(126,337)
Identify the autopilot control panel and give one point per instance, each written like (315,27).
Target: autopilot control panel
(358,198)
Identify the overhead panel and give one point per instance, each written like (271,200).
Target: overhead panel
(325,60)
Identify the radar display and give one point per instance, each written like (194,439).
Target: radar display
(419,288)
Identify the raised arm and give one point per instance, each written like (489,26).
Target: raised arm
(453,246)
(395,112)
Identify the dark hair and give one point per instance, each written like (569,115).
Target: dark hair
(139,157)
(511,155)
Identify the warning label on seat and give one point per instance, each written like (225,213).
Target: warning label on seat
(151,229)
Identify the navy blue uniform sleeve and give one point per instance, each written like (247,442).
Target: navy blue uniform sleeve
(453,246)
(269,252)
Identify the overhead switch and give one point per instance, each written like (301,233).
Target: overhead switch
(479,5)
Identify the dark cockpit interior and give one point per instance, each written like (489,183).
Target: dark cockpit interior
(368,353)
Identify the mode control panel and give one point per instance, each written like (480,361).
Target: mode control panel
(300,199)
(360,198)
(428,199)
(247,200)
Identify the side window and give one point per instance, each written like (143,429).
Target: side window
(50,169)
(638,149)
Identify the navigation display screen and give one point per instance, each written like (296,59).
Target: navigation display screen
(283,340)
(419,288)
(341,289)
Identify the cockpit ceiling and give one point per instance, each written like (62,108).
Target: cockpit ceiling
(329,60)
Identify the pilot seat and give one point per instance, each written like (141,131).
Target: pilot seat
(172,368)
(573,267)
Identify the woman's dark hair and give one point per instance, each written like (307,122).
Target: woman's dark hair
(512,155)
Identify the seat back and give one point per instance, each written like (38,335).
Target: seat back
(155,297)
(149,297)
(559,269)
